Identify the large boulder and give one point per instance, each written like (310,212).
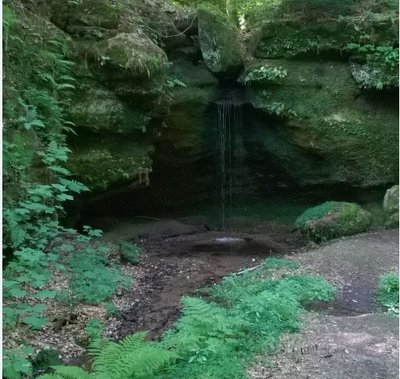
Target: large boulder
(391,205)
(332,220)
(219,43)
(312,120)
(127,57)
(93,19)
(131,66)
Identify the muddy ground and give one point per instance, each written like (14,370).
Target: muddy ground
(181,259)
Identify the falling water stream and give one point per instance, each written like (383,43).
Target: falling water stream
(229,123)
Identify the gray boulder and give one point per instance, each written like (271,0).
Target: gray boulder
(219,43)
(391,205)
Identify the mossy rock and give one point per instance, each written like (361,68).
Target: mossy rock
(94,19)
(369,75)
(295,37)
(105,161)
(200,86)
(328,131)
(219,43)
(391,205)
(332,220)
(97,108)
(127,58)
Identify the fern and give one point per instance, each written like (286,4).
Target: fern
(67,372)
(133,357)
(218,338)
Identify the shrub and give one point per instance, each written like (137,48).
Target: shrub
(130,252)
(388,292)
(218,337)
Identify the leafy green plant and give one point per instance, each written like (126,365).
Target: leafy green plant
(37,86)
(94,278)
(133,357)
(175,82)
(111,309)
(44,360)
(28,270)
(214,338)
(245,315)
(265,73)
(276,108)
(16,363)
(130,252)
(36,184)
(381,69)
(388,292)
(94,329)
(278,263)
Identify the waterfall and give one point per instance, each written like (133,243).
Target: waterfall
(229,122)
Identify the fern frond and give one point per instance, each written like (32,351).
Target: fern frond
(70,372)
(108,358)
(145,362)
(133,342)
(132,357)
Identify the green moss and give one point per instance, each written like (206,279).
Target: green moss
(388,292)
(297,37)
(86,18)
(316,213)
(201,85)
(129,55)
(105,161)
(330,132)
(218,38)
(95,107)
(332,220)
(130,252)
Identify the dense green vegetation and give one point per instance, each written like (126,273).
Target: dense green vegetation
(118,68)
(38,83)
(218,337)
(388,292)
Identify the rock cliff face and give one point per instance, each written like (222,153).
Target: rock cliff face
(326,130)
(150,76)
(332,126)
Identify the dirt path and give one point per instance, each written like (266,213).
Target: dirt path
(351,338)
